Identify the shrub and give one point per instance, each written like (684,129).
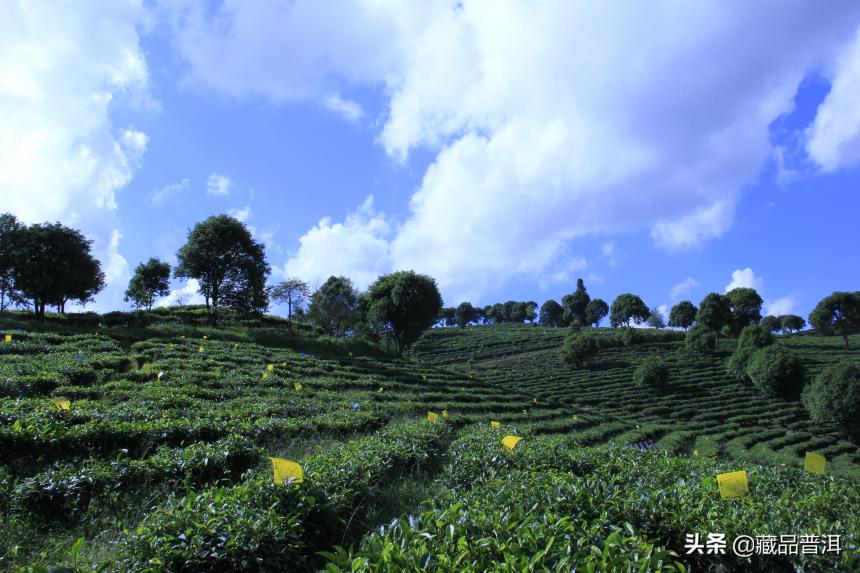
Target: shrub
(834,397)
(653,372)
(630,336)
(701,339)
(580,348)
(751,339)
(776,372)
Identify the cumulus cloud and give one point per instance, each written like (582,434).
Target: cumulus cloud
(61,71)
(684,287)
(241,214)
(834,136)
(187,294)
(116,267)
(218,184)
(168,192)
(544,126)
(745,278)
(783,305)
(358,248)
(347,109)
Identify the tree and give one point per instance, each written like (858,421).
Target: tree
(334,306)
(518,312)
(776,371)
(837,314)
(531,311)
(229,265)
(55,266)
(574,305)
(682,315)
(293,292)
(447,316)
(402,305)
(551,313)
(714,312)
(752,338)
(834,397)
(627,308)
(653,372)
(150,280)
(580,348)
(464,314)
(701,338)
(10,253)
(771,323)
(745,307)
(791,322)
(595,311)
(655,318)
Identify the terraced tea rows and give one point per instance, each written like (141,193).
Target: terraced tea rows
(702,409)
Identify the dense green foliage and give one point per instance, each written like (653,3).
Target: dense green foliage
(627,309)
(701,338)
(682,315)
(653,372)
(294,293)
(595,311)
(714,312)
(745,308)
(834,397)
(837,314)
(149,281)
(751,339)
(400,306)
(334,306)
(580,348)
(776,371)
(551,313)
(574,306)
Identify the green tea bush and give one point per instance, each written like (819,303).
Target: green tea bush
(834,397)
(580,348)
(653,372)
(776,371)
(752,338)
(701,339)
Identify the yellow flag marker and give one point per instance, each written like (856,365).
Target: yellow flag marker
(510,442)
(61,403)
(733,484)
(350,353)
(381,390)
(270,367)
(236,345)
(284,363)
(525,411)
(815,463)
(574,417)
(265,375)
(286,469)
(444,413)
(432,416)
(535,400)
(695,453)
(8,338)
(496,424)
(205,337)
(297,386)
(200,349)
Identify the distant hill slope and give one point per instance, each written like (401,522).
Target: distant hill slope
(702,410)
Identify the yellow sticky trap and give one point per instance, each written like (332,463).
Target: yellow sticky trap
(62,403)
(496,424)
(284,363)
(733,484)
(265,375)
(444,413)
(205,337)
(381,390)
(200,349)
(815,463)
(270,367)
(510,442)
(236,346)
(433,416)
(297,386)
(574,417)
(8,338)
(525,411)
(695,453)
(286,469)
(350,353)
(535,400)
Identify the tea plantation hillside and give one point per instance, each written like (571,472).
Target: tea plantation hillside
(701,409)
(147,448)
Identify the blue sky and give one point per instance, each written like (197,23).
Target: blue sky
(503,148)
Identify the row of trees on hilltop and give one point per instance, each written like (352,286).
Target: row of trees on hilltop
(499,313)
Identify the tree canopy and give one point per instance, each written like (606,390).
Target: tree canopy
(714,312)
(574,305)
(334,306)
(682,315)
(837,314)
(402,305)
(626,309)
(551,313)
(228,263)
(150,280)
(293,292)
(10,243)
(464,314)
(745,308)
(595,311)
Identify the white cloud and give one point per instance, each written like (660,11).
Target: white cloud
(347,109)
(218,184)
(834,136)
(783,305)
(550,120)
(187,294)
(745,278)
(684,287)
(357,248)
(241,214)
(116,267)
(62,70)
(169,191)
